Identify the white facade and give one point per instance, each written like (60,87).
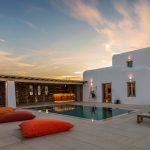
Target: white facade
(118,75)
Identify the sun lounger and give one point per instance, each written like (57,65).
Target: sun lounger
(140,117)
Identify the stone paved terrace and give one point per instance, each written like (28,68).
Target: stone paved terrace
(119,133)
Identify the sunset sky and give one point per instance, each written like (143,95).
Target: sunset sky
(61,38)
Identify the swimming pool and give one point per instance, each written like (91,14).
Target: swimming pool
(89,112)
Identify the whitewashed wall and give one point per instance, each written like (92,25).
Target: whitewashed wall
(141,57)
(99,76)
(142,79)
(119,77)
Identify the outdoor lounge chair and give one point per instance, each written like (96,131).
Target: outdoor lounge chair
(140,117)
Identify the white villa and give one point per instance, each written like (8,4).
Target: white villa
(127,81)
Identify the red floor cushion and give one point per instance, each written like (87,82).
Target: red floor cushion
(40,127)
(16,116)
(4,110)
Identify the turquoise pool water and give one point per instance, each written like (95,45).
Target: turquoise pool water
(89,112)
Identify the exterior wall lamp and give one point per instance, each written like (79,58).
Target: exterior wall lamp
(130,77)
(91,83)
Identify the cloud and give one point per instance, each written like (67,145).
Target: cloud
(2,40)
(38,62)
(78,72)
(130,31)
(29,24)
(47,63)
(10,63)
(36,9)
(87,12)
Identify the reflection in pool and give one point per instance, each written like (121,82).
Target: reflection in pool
(89,112)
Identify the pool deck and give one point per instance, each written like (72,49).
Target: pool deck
(119,133)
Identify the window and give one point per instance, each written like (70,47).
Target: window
(46,90)
(39,90)
(129,63)
(131,89)
(30,89)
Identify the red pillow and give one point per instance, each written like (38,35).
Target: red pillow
(4,110)
(16,116)
(40,127)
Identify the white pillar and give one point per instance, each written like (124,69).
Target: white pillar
(10,94)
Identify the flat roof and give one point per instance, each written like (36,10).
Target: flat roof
(38,79)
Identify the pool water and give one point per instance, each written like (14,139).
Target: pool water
(89,112)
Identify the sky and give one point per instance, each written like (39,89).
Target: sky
(63,38)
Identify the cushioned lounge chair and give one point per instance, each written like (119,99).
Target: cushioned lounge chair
(140,117)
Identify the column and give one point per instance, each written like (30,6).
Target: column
(10,94)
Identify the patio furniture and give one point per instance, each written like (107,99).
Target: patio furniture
(40,127)
(16,116)
(4,110)
(140,117)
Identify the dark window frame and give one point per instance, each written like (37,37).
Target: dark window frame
(130,63)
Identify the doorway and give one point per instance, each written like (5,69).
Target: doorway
(106,89)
